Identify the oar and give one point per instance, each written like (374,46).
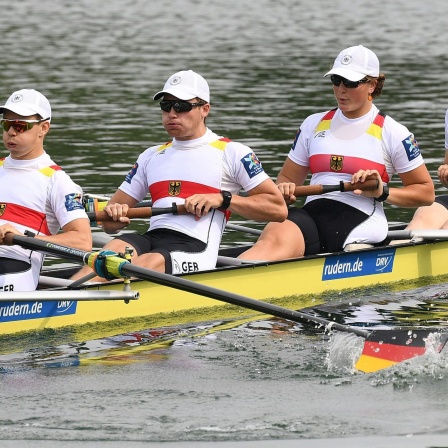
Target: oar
(70,296)
(304,190)
(424,234)
(140,212)
(310,190)
(244,229)
(381,348)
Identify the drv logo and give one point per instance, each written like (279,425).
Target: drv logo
(64,305)
(383,262)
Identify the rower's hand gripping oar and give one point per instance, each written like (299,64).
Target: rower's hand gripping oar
(382,348)
(140,212)
(300,191)
(310,190)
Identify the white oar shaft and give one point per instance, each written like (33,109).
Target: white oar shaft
(66,296)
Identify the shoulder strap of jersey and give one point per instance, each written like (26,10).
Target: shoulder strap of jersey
(166,145)
(50,170)
(221,143)
(324,123)
(376,128)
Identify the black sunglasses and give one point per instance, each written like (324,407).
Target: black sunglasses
(178,105)
(336,80)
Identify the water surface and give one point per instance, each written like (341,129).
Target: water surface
(99,63)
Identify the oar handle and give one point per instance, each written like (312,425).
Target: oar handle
(309,190)
(140,212)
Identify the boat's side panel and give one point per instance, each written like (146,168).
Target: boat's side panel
(262,281)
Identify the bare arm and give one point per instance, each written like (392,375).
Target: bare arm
(263,203)
(417,190)
(291,175)
(442,172)
(75,234)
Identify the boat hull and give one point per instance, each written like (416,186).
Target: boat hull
(304,278)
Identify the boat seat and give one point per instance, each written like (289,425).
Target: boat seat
(357,246)
(413,240)
(231,261)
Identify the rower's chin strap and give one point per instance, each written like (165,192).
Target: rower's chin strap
(107,264)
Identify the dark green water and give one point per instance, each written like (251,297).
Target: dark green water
(99,63)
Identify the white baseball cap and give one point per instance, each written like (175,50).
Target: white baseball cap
(355,63)
(28,102)
(186,85)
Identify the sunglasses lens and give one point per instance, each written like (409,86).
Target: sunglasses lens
(165,106)
(350,84)
(336,80)
(178,106)
(182,106)
(19,126)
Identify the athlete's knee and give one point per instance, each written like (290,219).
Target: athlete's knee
(276,233)
(119,246)
(277,241)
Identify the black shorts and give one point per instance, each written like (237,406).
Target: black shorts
(442,200)
(10,266)
(163,241)
(325,224)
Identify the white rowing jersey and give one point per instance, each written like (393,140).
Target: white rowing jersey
(335,147)
(174,171)
(37,196)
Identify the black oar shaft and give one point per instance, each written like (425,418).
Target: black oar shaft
(184,285)
(234,299)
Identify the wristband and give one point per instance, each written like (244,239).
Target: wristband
(226,198)
(385,194)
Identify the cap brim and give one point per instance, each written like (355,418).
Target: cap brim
(347,74)
(181,94)
(19,110)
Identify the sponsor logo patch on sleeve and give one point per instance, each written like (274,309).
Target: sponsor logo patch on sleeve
(131,173)
(73,201)
(252,165)
(295,140)
(411,146)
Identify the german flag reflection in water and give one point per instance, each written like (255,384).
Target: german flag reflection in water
(384,348)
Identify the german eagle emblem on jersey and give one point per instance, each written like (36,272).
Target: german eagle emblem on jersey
(336,163)
(2,208)
(174,188)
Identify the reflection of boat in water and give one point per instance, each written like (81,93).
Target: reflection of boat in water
(135,346)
